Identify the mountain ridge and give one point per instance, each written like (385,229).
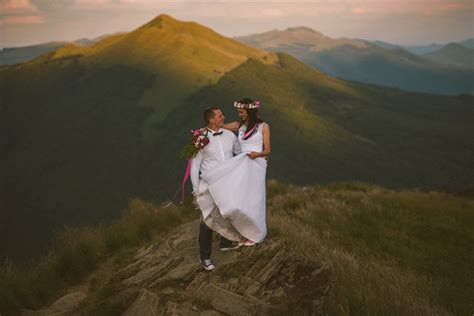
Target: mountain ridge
(366,62)
(454,54)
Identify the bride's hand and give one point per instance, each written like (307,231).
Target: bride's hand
(253,155)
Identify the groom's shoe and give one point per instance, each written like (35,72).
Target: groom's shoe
(230,246)
(207,264)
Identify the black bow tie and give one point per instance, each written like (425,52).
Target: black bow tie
(218,133)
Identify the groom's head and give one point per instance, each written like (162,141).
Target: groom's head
(213,117)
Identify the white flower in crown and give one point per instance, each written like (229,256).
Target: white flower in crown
(254,105)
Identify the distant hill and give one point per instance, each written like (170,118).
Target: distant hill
(454,54)
(423,49)
(16,55)
(89,127)
(363,61)
(469,43)
(300,39)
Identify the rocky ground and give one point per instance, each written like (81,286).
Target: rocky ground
(166,278)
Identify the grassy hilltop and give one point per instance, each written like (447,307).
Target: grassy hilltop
(388,252)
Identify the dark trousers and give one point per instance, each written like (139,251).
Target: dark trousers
(205,241)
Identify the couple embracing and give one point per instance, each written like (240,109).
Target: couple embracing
(228,178)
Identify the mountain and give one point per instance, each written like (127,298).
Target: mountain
(418,50)
(454,54)
(84,117)
(297,38)
(86,128)
(363,61)
(423,49)
(469,43)
(386,45)
(16,55)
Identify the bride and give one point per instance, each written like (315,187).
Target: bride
(237,185)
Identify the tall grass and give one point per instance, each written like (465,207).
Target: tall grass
(78,251)
(392,253)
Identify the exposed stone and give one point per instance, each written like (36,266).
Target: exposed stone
(226,301)
(166,278)
(62,306)
(210,313)
(146,304)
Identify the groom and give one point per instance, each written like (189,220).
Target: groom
(222,146)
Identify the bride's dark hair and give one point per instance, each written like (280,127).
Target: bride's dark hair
(252,118)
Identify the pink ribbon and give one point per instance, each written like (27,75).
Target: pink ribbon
(185,178)
(250,132)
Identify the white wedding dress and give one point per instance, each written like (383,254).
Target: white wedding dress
(237,187)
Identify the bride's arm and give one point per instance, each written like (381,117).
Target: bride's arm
(233,126)
(266,140)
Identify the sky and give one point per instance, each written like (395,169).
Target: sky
(405,22)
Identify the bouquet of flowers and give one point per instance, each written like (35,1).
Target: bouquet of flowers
(198,141)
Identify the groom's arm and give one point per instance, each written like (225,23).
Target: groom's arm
(194,174)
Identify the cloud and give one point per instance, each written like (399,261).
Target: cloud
(239,17)
(8,7)
(19,12)
(272,13)
(49,6)
(22,19)
(360,10)
(421,7)
(261,8)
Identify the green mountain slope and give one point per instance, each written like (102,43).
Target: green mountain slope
(327,129)
(87,128)
(78,121)
(363,61)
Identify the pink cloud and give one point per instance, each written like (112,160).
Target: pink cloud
(408,6)
(17,6)
(22,19)
(360,10)
(92,3)
(19,12)
(454,7)
(111,3)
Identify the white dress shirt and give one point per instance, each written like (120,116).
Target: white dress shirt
(220,148)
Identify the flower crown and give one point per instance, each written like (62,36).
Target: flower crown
(253,105)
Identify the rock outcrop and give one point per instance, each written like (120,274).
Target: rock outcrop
(166,278)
